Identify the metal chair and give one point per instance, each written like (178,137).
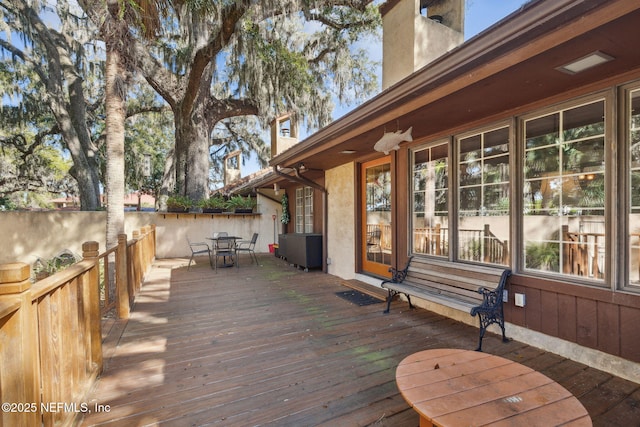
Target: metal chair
(373,244)
(224,248)
(247,246)
(198,248)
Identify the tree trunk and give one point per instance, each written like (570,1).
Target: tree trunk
(168,181)
(115,118)
(192,155)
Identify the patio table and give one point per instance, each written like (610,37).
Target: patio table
(453,387)
(230,251)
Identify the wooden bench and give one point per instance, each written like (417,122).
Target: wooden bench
(472,289)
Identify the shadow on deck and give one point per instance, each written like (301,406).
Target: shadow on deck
(273,345)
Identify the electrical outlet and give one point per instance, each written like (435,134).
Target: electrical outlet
(328,261)
(520,300)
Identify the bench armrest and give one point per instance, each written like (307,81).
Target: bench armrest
(490,297)
(398,276)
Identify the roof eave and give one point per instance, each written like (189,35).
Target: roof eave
(508,35)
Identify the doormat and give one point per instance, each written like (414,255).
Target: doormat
(358,298)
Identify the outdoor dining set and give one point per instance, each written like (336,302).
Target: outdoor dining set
(224,246)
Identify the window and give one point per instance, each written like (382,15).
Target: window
(304,210)
(563,218)
(430,201)
(483,197)
(634,184)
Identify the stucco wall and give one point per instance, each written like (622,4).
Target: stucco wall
(29,235)
(340,184)
(398,43)
(410,41)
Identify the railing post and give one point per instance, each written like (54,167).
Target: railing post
(153,242)
(147,248)
(19,365)
(91,294)
(506,253)
(122,287)
(136,260)
(487,246)
(567,266)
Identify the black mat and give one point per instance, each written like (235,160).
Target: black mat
(358,298)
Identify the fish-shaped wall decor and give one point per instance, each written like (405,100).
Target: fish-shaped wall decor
(391,140)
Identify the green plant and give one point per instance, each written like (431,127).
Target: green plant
(42,268)
(179,202)
(239,202)
(285,218)
(543,256)
(213,202)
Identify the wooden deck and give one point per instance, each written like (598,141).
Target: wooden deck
(273,345)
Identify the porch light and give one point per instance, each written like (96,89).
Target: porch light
(586,62)
(348,152)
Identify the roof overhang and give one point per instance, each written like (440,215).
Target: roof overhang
(511,65)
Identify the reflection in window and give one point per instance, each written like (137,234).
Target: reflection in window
(483,217)
(378,214)
(379,188)
(634,182)
(563,192)
(430,201)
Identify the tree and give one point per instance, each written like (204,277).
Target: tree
(148,137)
(57,57)
(31,164)
(219,60)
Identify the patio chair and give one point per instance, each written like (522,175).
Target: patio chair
(247,246)
(373,244)
(223,248)
(198,248)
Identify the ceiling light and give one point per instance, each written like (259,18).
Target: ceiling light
(586,62)
(348,152)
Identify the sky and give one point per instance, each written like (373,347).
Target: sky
(479,15)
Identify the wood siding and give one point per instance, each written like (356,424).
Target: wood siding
(594,318)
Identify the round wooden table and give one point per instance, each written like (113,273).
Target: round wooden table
(452,387)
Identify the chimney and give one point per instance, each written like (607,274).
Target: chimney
(416,32)
(232,167)
(284,134)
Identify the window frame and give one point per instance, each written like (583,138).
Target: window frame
(447,142)
(510,125)
(612,236)
(624,183)
(304,210)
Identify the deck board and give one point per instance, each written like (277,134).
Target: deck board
(273,345)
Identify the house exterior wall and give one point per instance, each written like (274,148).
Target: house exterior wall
(341,227)
(410,41)
(563,313)
(398,43)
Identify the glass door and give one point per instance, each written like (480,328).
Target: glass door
(376,216)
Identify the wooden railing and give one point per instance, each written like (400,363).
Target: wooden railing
(475,245)
(50,332)
(116,273)
(580,253)
(431,240)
